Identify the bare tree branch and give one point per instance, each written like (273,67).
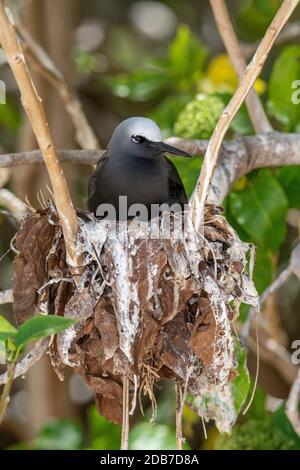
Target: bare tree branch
(253,70)
(33,106)
(279,281)
(29,360)
(11,202)
(291,32)
(271,353)
(293,267)
(88,157)
(4,176)
(237,157)
(125,420)
(256,111)
(43,64)
(5,397)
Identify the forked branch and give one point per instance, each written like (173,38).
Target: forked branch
(251,74)
(33,106)
(256,111)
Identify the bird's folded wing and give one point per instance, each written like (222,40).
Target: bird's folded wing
(92,188)
(177,192)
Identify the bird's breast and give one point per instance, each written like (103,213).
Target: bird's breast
(142,182)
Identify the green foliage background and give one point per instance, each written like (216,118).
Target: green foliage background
(184,88)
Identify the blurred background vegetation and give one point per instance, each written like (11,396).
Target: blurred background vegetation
(165,60)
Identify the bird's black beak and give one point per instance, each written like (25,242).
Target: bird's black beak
(165,148)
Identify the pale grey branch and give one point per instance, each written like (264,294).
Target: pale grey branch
(29,360)
(237,158)
(6,297)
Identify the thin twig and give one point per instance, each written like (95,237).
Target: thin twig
(86,157)
(256,111)
(44,65)
(33,106)
(253,70)
(272,353)
(257,367)
(134,396)
(178,416)
(5,397)
(125,421)
(292,268)
(11,202)
(291,32)
(28,360)
(279,281)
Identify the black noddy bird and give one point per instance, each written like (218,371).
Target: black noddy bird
(135,166)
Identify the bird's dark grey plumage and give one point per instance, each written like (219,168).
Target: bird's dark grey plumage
(135,166)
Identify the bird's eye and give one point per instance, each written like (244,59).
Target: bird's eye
(138,139)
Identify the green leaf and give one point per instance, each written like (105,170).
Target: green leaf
(289,179)
(286,70)
(258,408)
(268,8)
(145,436)
(178,71)
(59,435)
(41,326)
(165,114)
(280,420)
(260,209)
(233,222)
(86,61)
(259,434)
(187,57)
(104,435)
(189,171)
(252,22)
(9,116)
(5,336)
(6,327)
(141,85)
(242,123)
(241,383)
(264,272)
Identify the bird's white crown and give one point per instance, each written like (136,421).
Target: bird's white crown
(141,126)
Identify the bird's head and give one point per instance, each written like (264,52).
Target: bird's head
(140,137)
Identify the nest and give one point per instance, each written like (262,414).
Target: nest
(147,307)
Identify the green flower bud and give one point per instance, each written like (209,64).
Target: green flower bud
(255,435)
(199,117)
